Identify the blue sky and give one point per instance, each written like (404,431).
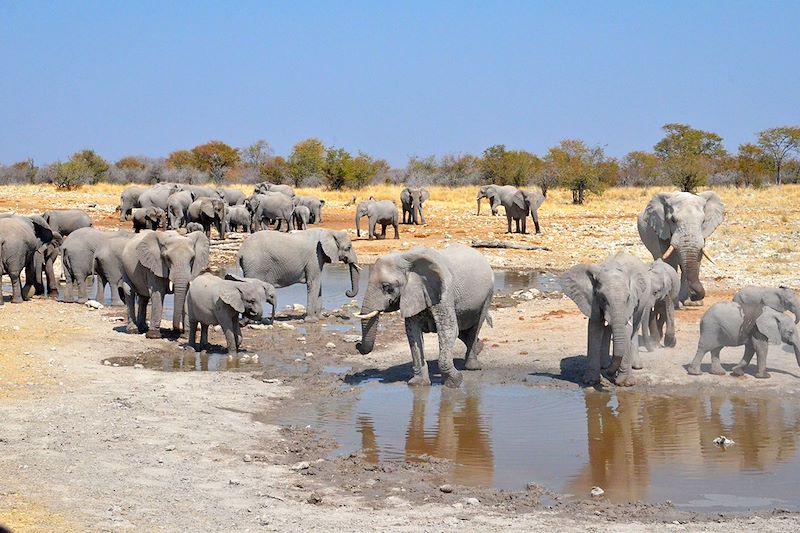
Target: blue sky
(391,78)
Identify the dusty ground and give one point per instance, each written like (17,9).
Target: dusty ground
(91,446)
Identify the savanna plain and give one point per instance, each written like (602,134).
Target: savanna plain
(102,430)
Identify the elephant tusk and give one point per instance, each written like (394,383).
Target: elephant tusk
(356,267)
(367,316)
(706,256)
(668,252)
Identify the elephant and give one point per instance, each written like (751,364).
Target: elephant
(614,295)
(781,299)
(25,242)
(492,192)
(66,221)
(177,205)
(517,203)
(447,292)
(198,191)
(314,205)
(191,227)
(265,187)
(212,300)
(265,208)
(300,217)
(753,325)
(109,269)
(151,261)
(78,252)
(382,212)
(127,201)
(208,211)
(238,217)
(412,200)
(298,257)
(148,218)
(231,196)
(660,311)
(674,227)
(158,195)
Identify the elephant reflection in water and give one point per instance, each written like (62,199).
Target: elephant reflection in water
(200,361)
(458,436)
(643,432)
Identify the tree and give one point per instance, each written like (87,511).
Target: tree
(307,159)
(504,167)
(71,174)
(491,165)
(363,169)
(688,155)
(215,157)
(257,153)
(336,168)
(421,170)
(97,165)
(180,159)
(778,143)
(274,170)
(751,165)
(639,169)
(458,169)
(130,163)
(579,168)
(28,168)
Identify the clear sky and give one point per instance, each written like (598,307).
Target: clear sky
(391,78)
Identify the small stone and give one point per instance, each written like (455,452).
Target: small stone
(302,465)
(26,353)
(217,328)
(170,448)
(107,362)
(301,339)
(447,489)
(330,345)
(284,325)
(596,492)
(352,338)
(52,348)
(259,326)
(247,458)
(15,328)
(314,498)
(299,308)
(309,354)
(94,304)
(272,381)
(234,482)
(472,501)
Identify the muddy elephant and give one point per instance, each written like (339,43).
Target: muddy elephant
(78,253)
(128,200)
(66,221)
(660,310)
(212,300)
(208,212)
(674,226)
(25,244)
(411,200)
(752,325)
(314,205)
(148,218)
(177,206)
(152,261)
(382,212)
(238,217)
(265,187)
(270,207)
(446,292)
(614,295)
(109,268)
(300,217)
(283,259)
(231,196)
(781,299)
(158,195)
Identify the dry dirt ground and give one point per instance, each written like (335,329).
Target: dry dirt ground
(91,446)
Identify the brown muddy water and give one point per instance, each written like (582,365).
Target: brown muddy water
(635,446)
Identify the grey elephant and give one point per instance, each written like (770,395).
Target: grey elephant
(78,252)
(238,217)
(493,194)
(231,196)
(446,292)
(153,260)
(518,205)
(674,227)
(177,206)
(283,259)
(314,205)
(191,227)
(270,207)
(209,211)
(265,187)
(109,268)
(212,300)
(382,212)
(25,242)
(148,218)
(735,324)
(614,295)
(781,299)
(199,191)
(158,195)
(128,200)
(660,310)
(66,221)
(301,216)
(412,200)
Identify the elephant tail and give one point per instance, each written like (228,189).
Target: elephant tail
(65,264)
(1,257)
(489,320)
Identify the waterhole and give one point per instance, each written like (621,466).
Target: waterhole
(635,446)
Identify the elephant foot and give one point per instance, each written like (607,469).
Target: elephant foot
(717,370)
(591,378)
(311,319)
(472,363)
(692,303)
(763,375)
(17,300)
(637,366)
(454,379)
(52,293)
(419,381)
(670,341)
(737,371)
(694,370)
(624,380)
(132,329)
(153,333)
(81,300)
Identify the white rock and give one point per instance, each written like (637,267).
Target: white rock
(138,366)
(107,362)
(299,308)
(15,328)
(472,501)
(284,325)
(597,492)
(330,345)
(94,304)
(352,338)
(302,465)
(259,326)
(217,328)
(309,354)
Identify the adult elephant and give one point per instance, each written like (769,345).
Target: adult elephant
(269,207)
(78,253)
(446,292)
(412,200)
(314,205)
(66,221)
(238,217)
(494,193)
(265,187)
(199,191)
(151,261)
(231,196)
(298,257)
(614,295)
(382,212)
(781,299)
(158,195)
(24,242)
(674,226)
(177,205)
(108,267)
(128,200)
(208,212)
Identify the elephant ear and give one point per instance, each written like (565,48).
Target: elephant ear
(41,227)
(426,283)
(714,211)
(535,199)
(232,296)
(767,324)
(207,208)
(149,252)
(425,195)
(201,251)
(639,285)
(519,200)
(578,284)
(655,215)
(329,246)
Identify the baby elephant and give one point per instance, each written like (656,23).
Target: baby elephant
(191,227)
(148,218)
(212,300)
(301,215)
(735,324)
(781,299)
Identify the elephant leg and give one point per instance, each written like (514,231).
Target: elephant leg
(694,366)
(33,280)
(203,335)
(524,221)
(83,290)
(535,217)
(192,333)
(749,351)
(594,339)
(648,342)
(116,294)
(314,296)
(130,301)
(52,281)
(383,231)
(716,367)
(396,229)
(508,220)
(371,229)
(141,317)
(230,334)
(237,331)
(100,294)
(669,321)
(157,291)
(761,348)
(469,338)
(416,344)
(16,288)
(447,330)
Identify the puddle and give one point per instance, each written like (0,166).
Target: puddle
(508,281)
(637,447)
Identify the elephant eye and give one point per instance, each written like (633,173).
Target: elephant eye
(387,287)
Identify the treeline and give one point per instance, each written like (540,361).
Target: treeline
(685,157)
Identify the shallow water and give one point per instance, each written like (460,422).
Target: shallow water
(637,447)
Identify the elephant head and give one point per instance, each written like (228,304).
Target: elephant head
(156,216)
(48,247)
(362,211)
(418,197)
(778,328)
(486,191)
(410,282)
(215,209)
(248,296)
(790,301)
(178,258)
(335,246)
(682,221)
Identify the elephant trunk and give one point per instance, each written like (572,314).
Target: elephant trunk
(354,277)
(358,224)
(690,263)
(181,286)
(621,342)
(369,329)
(479,206)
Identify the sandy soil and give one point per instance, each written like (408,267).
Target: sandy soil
(91,446)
